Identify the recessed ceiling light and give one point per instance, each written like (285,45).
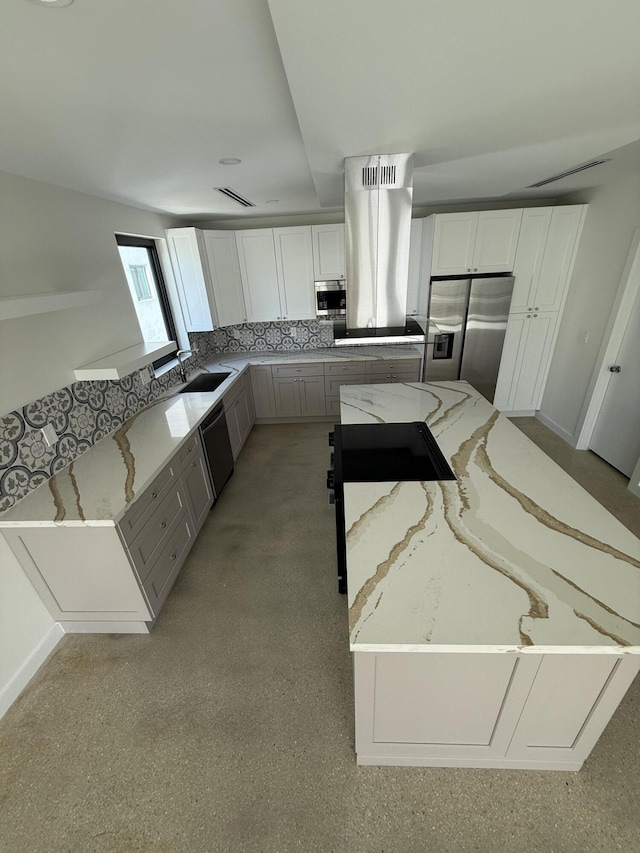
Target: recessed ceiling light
(272,201)
(229,161)
(52,3)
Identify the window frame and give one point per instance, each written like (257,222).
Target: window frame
(165,305)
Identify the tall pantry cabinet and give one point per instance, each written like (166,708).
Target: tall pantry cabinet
(542,268)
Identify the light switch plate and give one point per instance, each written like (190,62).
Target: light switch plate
(145,376)
(49,435)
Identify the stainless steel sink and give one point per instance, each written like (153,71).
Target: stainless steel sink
(205,382)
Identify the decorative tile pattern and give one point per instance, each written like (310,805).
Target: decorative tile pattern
(85,412)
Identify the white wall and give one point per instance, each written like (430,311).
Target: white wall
(53,239)
(612,218)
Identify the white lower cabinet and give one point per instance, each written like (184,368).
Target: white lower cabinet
(529,711)
(119,576)
(526,358)
(240,412)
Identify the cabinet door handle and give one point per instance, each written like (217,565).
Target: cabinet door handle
(154,495)
(475,269)
(529,309)
(468,269)
(535,315)
(163,525)
(174,556)
(536,308)
(529,316)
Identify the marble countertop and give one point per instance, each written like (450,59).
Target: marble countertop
(513,556)
(97,488)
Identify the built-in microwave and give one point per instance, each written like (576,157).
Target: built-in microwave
(331,298)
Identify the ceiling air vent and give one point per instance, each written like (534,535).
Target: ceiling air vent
(234,196)
(566,174)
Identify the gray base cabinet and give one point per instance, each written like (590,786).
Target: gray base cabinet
(312,390)
(116,577)
(240,412)
(528,711)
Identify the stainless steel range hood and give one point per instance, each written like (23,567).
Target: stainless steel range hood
(377,206)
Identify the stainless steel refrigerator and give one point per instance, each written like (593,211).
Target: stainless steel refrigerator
(471,315)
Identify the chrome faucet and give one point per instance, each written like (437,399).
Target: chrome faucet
(181,370)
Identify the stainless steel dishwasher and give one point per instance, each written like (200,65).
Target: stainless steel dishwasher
(217,448)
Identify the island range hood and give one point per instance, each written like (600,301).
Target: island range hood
(377,207)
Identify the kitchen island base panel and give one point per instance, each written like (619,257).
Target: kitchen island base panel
(505,710)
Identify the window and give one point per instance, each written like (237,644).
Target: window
(142,269)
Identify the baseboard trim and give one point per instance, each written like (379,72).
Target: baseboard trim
(554,427)
(487,763)
(30,666)
(89,627)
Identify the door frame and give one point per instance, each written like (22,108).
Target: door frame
(627,292)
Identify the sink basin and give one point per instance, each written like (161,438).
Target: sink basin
(205,382)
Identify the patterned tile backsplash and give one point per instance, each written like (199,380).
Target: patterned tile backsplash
(85,412)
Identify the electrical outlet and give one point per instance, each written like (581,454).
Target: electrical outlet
(49,435)
(145,376)
(583,336)
(293,331)
(235,333)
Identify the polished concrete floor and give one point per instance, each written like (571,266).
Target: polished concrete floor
(230,728)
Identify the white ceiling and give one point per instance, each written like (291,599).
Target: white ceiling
(137,100)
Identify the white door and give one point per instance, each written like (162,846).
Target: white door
(257,258)
(328,251)
(496,240)
(226,281)
(453,243)
(616,436)
(294,260)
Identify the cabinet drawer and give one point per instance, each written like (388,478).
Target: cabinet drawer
(394,365)
(151,541)
(285,371)
(332,384)
(139,512)
(349,368)
(165,569)
(189,449)
(399,376)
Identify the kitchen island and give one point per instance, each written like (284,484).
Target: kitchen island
(494,619)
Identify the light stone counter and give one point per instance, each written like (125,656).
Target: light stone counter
(494,620)
(514,555)
(96,489)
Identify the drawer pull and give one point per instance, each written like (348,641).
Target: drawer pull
(154,495)
(194,464)
(174,556)
(163,525)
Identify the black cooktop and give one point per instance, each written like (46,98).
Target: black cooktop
(378,453)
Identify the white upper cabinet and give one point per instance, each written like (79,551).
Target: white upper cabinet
(415,267)
(207,275)
(544,259)
(295,272)
(328,251)
(276,266)
(186,250)
(224,269)
(559,255)
(475,242)
(257,257)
